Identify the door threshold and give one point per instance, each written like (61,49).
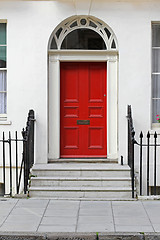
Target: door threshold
(83,160)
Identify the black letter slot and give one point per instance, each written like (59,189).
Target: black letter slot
(83,122)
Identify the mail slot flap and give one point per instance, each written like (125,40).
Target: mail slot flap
(83,122)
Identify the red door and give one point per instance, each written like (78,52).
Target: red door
(83,110)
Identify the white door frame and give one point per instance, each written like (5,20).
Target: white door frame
(55,57)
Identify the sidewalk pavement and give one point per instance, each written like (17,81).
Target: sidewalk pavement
(41,215)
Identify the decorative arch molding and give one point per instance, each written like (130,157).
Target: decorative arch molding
(57,55)
(83,22)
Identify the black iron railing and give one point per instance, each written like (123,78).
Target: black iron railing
(131,142)
(13,149)
(147,156)
(152,154)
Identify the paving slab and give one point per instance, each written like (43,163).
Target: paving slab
(2,219)
(33,203)
(154,219)
(127,207)
(95,219)
(95,227)
(125,203)
(22,218)
(65,221)
(28,211)
(134,221)
(133,228)
(156,226)
(61,212)
(5,211)
(97,204)
(18,228)
(64,203)
(95,212)
(55,228)
(23,223)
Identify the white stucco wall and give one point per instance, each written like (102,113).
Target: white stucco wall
(30,24)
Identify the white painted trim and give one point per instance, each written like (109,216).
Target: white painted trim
(3,122)
(3,20)
(111,58)
(3,119)
(66,28)
(155,126)
(106,53)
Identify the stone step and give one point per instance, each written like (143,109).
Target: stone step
(81,170)
(83,160)
(80,182)
(81,192)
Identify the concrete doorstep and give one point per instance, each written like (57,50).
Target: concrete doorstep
(79,236)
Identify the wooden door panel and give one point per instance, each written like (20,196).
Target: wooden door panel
(83,97)
(96,112)
(96,84)
(70,84)
(95,138)
(71,137)
(71,112)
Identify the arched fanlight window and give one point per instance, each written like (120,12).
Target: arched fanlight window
(83,39)
(83,33)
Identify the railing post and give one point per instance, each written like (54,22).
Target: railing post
(148,139)
(4,165)
(28,147)
(31,137)
(130,129)
(131,142)
(155,162)
(129,134)
(132,168)
(140,177)
(16,142)
(24,160)
(27,160)
(10,162)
